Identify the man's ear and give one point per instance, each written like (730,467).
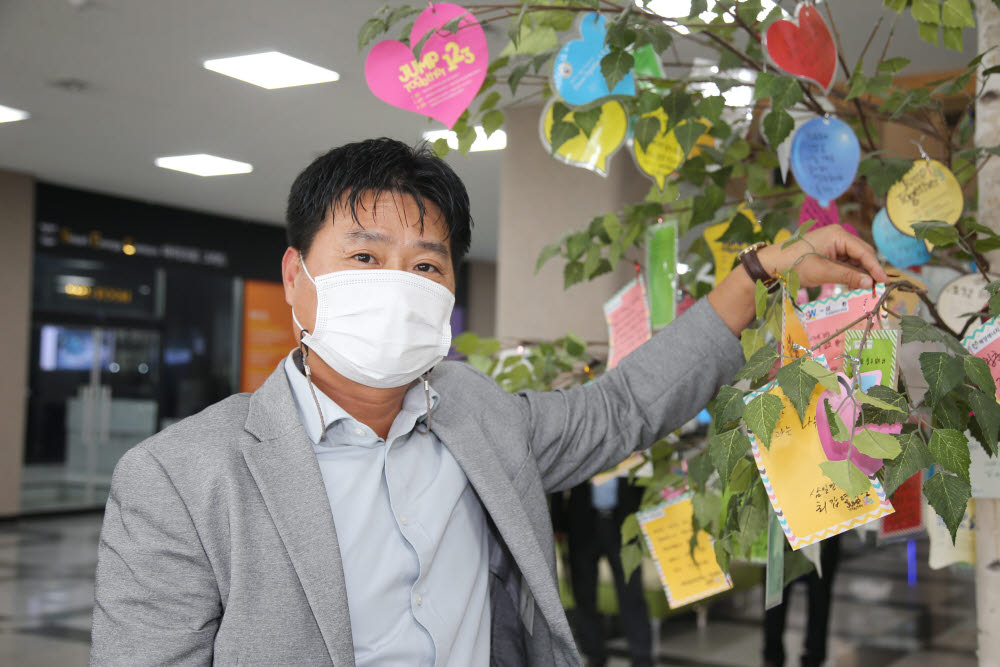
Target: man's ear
(290,266)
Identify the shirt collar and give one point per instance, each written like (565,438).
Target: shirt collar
(414,408)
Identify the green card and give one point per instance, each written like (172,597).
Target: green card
(661,267)
(774,582)
(880,354)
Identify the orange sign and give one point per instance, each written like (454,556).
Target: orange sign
(267,332)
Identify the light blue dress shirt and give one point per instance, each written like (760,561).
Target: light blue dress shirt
(412,534)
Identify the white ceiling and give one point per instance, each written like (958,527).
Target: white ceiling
(147,95)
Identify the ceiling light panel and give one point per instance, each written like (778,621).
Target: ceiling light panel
(271,70)
(203,164)
(495,142)
(10,114)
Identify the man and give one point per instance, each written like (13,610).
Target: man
(369,505)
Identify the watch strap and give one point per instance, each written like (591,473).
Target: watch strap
(752,265)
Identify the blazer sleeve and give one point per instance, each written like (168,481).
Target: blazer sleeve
(156,596)
(576,433)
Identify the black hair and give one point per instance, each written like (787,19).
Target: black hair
(346,174)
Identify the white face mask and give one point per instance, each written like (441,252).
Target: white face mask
(381,328)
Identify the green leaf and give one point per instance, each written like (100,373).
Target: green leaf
(942,372)
(949,496)
(592,261)
(711,108)
(858,84)
(838,429)
(847,476)
(700,468)
(678,106)
(547,253)
(928,32)
(707,507)
(785,92)
(777,126)
(615,66)
(950,449)
(764,86)
(631,555)
(752,341)
(913,457)
(492,121)
(797,385)
(743,476)
(876,445)
(441,147)
(612,225)
(587,120)
(760,299)
(726,450)
(687,134)
(896,5)
(645,130)
(939,233)
(729,405)
(893,65)
(862,397)
(952,38)
(371,29)
(707,204)
(870,414)
(753,518)
(561,133)
(926,11)
(489,101)
(957,14)
(979,372)
(761,416)
(917,330)
(823,375)
(883,173)
(572,273)
(759,363)
(648,101)
(630,528)
(987,414)
(515,77)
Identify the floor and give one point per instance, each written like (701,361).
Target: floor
(46,595)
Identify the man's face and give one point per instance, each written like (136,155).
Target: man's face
(389,237)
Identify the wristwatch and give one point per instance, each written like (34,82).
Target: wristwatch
(751,263)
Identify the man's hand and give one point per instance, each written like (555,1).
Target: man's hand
(827,255)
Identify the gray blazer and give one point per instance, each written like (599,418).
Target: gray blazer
(219,545)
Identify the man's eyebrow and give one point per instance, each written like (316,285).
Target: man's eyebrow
(433,246)
(367,235)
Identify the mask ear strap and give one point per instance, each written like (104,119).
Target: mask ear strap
(305,365)
(427,395)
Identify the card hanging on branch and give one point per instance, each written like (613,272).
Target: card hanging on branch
(898,248)
(687,574)
(822,216)
(879,362)
(984,342)
(576,73)
(809,506)
(628,321)
(588,151)
(908,519)
(445,79)
(825,155)
(825,316)
(984,470)
(904,303)
(803,47)
(794,338)
(928,192)
(963,295)
(661,268)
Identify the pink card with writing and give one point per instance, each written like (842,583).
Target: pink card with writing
(628,321)
(448,74)
(984,343)
(823,317)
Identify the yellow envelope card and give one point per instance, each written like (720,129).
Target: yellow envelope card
(724,252)
(686,577)
(589,151)
(809,506)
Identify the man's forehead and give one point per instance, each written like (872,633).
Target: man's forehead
(387,209)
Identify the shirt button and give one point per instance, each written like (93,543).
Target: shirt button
(402,519)
(420,599)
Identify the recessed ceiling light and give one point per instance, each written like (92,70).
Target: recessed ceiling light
(9,114)
(203,165)
(495,142)
(272,70)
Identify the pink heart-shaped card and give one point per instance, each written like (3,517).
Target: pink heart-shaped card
(448,74)
(803,47)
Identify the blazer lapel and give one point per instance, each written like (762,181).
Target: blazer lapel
(284,467)
(460,433)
